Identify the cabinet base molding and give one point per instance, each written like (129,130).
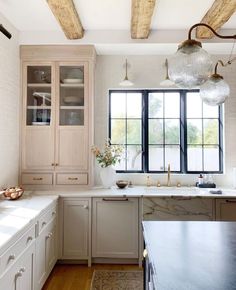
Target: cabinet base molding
(114,261)
(72,262)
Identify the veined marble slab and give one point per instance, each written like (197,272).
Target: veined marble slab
(177,209)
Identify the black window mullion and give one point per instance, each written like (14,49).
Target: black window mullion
(145,148)
(220,138)
(164,134)
(183,133)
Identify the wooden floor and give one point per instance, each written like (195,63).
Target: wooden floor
(78,277)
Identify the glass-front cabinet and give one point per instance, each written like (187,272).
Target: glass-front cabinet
(72,102)
(56,129)
(39,99)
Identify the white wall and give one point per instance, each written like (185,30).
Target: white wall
(9,106)
(147,72)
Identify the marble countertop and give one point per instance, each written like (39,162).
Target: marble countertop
(140,191)
(16,216)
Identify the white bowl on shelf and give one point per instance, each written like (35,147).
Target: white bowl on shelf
(73,100)
(73,81)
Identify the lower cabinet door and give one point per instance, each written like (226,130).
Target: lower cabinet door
(20,275)
(45,254)
(76,228)
(225,209)
(51,247)
(115,232)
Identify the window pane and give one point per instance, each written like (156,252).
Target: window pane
(210,111)
(172,105)
(194,131)
(194,105)
(118,132)
(134,105)
(134,132)
(211,131)
(134,157)
(211,158)
(122,164)
(172,131)
(156,162)
(155,131)
(195,158)
(118,105)
(155,101)
(172,157)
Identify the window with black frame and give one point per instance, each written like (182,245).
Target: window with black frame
(161,127)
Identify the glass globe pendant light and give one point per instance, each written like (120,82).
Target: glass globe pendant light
(126,82)
(215,90)
(191,65)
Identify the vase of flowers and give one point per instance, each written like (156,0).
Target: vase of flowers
(107,158)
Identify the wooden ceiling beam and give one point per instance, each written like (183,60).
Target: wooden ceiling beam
(216,16)
(68,18)
(142,11)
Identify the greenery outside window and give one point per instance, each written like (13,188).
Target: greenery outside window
(161,127)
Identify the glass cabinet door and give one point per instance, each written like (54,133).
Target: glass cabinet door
(71,111)
(38,95)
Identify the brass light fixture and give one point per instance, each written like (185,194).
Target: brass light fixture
(126,82)
(191,65)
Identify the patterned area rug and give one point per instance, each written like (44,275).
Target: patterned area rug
(117,280)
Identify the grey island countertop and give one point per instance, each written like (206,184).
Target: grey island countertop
(191,255)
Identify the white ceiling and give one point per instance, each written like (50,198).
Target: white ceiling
(107,19)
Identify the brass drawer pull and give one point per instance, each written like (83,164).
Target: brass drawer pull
(11,257)
(72,178)
(37,178)
(117,199)
(29,239)
(49,236)
(230,201)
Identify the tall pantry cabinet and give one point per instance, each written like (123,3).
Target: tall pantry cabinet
(57,116)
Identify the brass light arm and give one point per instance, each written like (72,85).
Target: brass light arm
(212,30)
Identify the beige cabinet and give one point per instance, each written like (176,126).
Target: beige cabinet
(57,121)
(19,264)
(46,246)
(115,228)
(76,230)
(225,209)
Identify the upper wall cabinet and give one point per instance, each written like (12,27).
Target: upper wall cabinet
(57,115)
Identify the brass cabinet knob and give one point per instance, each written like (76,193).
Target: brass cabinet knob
(145,253)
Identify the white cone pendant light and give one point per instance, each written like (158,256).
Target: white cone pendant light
(167,82)
(126,82)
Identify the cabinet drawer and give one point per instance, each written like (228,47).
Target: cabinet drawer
(81,178)
(37,178)
(46,218)
(11,255)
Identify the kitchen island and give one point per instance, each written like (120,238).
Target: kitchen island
(190,255)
